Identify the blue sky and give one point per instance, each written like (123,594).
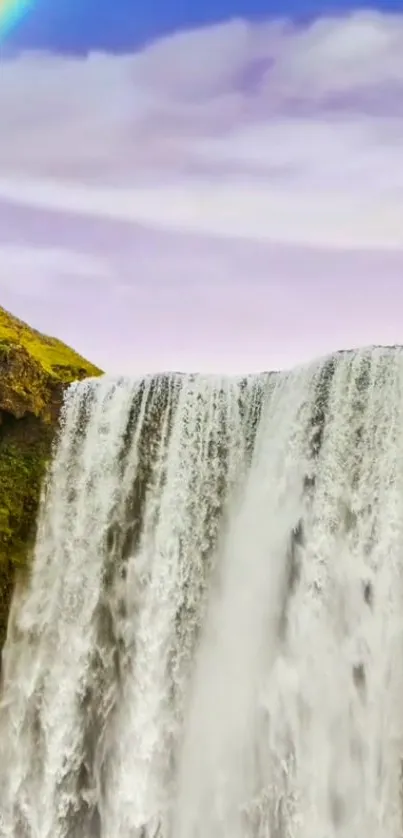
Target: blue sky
(78,25)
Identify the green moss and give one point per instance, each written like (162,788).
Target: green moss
(34,373)
(53,356)
(25,447)
(21,473)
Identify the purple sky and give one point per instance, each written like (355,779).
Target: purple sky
(228,198)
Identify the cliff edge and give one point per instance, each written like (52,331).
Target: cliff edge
(34,373)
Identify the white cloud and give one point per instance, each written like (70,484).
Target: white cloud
(326,219)
(338,55)
(264,131)
(36,272)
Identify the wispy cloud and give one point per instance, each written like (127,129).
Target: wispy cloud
(228,164)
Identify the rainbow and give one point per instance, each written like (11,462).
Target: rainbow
(11,12)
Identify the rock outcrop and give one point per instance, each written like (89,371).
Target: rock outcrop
(34,373)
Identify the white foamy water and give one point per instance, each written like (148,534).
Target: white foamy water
(211,642)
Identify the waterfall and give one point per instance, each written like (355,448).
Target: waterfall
(210,643)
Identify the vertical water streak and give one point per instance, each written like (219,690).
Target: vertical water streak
(219,774)
(101,644)
(170,569)
(47,661)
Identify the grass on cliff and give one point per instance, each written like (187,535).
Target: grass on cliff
(54,357)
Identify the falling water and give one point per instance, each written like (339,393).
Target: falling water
(210,645)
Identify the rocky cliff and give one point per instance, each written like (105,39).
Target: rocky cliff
(34,372)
